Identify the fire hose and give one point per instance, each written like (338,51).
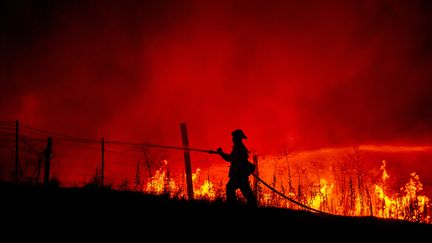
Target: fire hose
(285,197)
(253,174)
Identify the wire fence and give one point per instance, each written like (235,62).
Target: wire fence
(77,161)
(7,151)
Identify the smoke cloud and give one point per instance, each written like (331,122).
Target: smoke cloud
(289,73)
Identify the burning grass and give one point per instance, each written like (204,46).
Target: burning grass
(346,189)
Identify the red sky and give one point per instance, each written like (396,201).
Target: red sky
(289,73)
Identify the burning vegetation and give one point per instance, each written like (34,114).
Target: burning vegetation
(163,183)
(348,190)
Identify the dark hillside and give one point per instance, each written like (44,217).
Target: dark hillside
(76,211)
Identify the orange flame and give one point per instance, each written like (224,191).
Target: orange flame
(385,175)
(356,199)
(410,206)
(162,183)
(320,199)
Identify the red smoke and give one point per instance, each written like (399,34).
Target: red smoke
(290,73)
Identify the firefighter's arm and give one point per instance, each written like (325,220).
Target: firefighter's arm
(225,156)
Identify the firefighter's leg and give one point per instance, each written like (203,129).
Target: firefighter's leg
(231,188)
(248,193)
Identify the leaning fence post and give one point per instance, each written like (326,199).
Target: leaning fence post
(17,152)
(102,161)
(187,159)
(47,161)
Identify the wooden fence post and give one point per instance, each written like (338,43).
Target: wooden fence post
(47,161)
(102,161)
(17,152)
(187,160)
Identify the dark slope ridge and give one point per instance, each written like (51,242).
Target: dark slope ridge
(76,211)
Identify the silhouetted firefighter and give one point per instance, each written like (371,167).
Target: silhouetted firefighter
(239,171)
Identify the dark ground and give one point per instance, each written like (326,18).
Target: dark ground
(42,214)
